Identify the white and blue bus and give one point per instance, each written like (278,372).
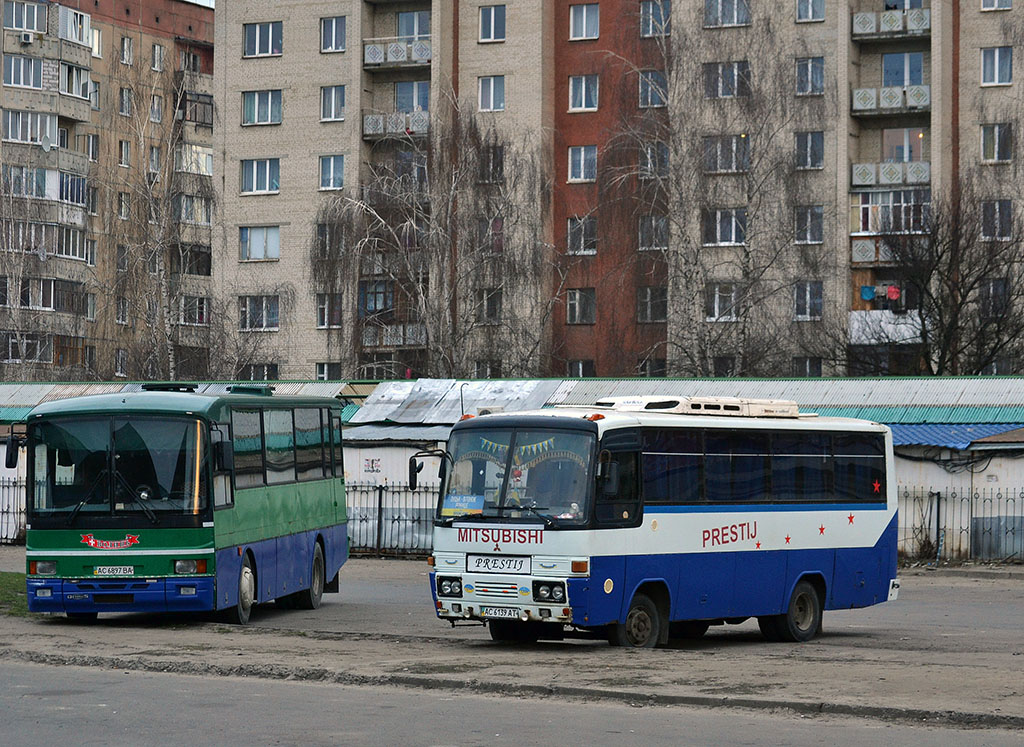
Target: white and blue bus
(650,518)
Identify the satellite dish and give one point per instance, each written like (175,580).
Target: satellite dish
(46,144)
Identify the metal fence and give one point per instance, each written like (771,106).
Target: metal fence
(390,519)
(962,524)
(12,511)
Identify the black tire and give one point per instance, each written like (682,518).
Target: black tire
(512,631)
(85,617)
(309,599)
(769,625)
(641,628)
(802,620)
(240,613)
(688,629)
(287,602)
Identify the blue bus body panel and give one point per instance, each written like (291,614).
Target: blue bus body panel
(129,595)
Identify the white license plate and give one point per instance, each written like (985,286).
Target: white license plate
(510,612)
(113,570)
(498,564)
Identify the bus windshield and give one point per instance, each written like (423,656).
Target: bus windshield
(521,473)
(118,465)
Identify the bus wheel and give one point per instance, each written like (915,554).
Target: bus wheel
(309,599)
(512,631)
(689,629)
(803,618)
(641,628)
(82,616)
(239,614)
(769,625)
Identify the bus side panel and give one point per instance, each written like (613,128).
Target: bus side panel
(229,565)
(654,568)
(705,587)
(802,563)
(862,574)
(760,583)
(335,549)
(607,579)
(294,560)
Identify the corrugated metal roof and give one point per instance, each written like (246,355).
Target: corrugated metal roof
(1015,436)
(950,436)
(398,433)
(386,398)
(348,412)
(14,414)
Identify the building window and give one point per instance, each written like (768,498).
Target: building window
(721,303)
(583,93)
(259,242)
(810,10)
(806,367)
(72,188)
(997,142)
(24,181)
(724,226)
(492,164)
(127,50)
(29,127)
(810,76)
(261,107)
(121,258)
(124,150)
(194,159)
(489,305)
(125,102)
(74,26)
(653,89)
(124,206)
(719,13)
(257,372)
(726,154)
(120,362)
(653,230)
(332,172)
(332,103)
(258,312)
(375,297)
(584,21)
(154,159)
(492,23)
(994,298)
(810,150)
(651,304)
(261,39)
(97,42)
(195,310)
(583,163)
(807,301)
(891,211)
(492,93)
(332,34)
(194,209)
(997,66)
(488,369)
(492,234)
(582,234)
(94,95)
(723,366)
(996,4)
(157,62)
(329,307)
(655,18)
(24,16)
(328,372)
(121,315)
(810,227)
(579,369)
(198,108)
(652,368)
(261,176)
(24,72)
(654,161)
(156,109)
(413,25)
(997,220)
(726,80)
(190,62)
(581,306)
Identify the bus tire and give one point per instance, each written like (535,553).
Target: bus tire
(769,625)
(240,613)
(85,617)
(309,599)
(512,631)
(641,628)
(803,617)
(688,629)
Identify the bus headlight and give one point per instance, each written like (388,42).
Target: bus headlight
(557,593)
(190,566)
(449,587)
(548,591)
(42,567)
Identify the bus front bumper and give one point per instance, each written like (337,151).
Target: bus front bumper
(476,603)
(174,594)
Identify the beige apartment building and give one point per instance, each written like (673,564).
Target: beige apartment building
(621,187)
(107,129)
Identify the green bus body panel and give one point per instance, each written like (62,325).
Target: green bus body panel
(279,510)
(148,565)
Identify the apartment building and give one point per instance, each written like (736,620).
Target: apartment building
(107,125)
(697,187)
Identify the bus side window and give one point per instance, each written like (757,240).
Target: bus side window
(339,461)
(671,468)
(859,467)
(623,507)
(279,438)
(309,459)
(222,479)
(325,437)
(248,436)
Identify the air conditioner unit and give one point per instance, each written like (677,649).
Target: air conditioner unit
(489,409)
(27,37)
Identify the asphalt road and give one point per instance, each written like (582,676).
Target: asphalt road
(41,705)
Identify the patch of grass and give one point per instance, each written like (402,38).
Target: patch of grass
(12,594)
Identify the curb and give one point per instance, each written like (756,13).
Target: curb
(999,574)
(961,719)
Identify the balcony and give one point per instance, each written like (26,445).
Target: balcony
(396,52)
(880,102)
(187,80)
(412,334)
(384,125)
(870,251)
(890,173)
(884,328)
(892,24)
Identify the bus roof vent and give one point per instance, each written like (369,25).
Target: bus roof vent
(734,406)
(168,386)
(263,390)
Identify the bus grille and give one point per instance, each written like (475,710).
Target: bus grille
(497,590)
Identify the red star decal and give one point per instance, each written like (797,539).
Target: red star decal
(758,545)
(821,529)
(850,517)
(787,539)
(496,547)
(877,486)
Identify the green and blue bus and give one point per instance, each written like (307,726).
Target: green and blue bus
(169,500)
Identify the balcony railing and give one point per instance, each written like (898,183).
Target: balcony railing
(892,24)
(396,51)
(890,173)
(891,100)
(884,327)
(381,125)
(870,251)
(394,335)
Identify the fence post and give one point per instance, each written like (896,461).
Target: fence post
(380,521)
(939,534)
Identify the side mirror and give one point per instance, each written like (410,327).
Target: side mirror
(608,474)
(415,467)
(223,456)
(13,446)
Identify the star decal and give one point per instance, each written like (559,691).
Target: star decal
(877,486)
(787,539)
(821,529)
(850,517)
(758,545)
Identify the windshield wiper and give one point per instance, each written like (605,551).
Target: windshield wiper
(88,497)
(447,520)
(150,513)
(549,521)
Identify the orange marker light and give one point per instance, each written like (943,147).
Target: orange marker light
(595,417)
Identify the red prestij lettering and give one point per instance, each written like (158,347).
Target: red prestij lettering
(728,534)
